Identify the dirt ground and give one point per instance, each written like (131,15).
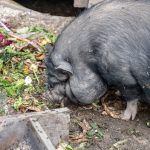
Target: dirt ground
(133,135)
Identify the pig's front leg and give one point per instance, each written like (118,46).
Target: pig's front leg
(131,110)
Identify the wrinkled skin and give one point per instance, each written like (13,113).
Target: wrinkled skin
(106,46)
(82,86)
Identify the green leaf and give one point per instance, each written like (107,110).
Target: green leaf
(94,125)
(9,49)
(2,30)
(1,64)
(19,83)
(69,147)
(65,146)
(38,29)
(4,83)
(90,133)
(17,75)
(11,91)
(18,103)
(26,55)
(52,37)
(95,131)
(100,133)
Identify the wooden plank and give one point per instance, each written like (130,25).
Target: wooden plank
(54,122)
(81,3)
(11,134)
(38,135)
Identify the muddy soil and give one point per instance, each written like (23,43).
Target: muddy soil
(135,135)
(55,16)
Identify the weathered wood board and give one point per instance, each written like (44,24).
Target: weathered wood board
(81,3)
(86,3)
(53,123)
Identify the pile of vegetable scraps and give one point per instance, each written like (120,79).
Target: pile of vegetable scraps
(22,68)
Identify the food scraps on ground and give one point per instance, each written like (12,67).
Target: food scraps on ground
(22,67)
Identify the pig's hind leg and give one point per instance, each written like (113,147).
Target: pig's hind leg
(138,92)
(132,108)
(130,111)
(131,94)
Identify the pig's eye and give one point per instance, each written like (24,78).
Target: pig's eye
(61,71)
(64,72)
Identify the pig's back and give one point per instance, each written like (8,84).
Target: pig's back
(121,28)
(120,36)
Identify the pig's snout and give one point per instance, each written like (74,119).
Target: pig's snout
(56,94)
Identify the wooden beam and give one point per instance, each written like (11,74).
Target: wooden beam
(81,3)
(55,124)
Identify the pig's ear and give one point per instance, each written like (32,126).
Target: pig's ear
(66,67)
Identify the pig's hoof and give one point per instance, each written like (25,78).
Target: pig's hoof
(131,111)
(127,115)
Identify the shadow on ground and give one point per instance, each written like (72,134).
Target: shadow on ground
(53,7)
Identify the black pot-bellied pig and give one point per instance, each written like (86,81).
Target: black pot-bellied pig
(107,46)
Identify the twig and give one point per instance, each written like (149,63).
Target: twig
(36,77)
(107,109)
(5,27)
(34,44)
(10,33)
(118,144)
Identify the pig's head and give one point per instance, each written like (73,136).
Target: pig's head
(58,72)
(75,81)
(70,76)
